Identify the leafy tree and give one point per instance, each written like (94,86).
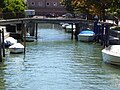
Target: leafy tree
(101,6)
(14,7)
(94,7)
(79,6)
(68,5)
(1,3)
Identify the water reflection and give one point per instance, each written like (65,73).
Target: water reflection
(2,73)
(113,74)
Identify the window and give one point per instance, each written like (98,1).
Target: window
(47,4)
(39,3)
(54,4)
(33,3)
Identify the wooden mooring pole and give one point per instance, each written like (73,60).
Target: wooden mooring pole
(3,44)
(77,31)
(72,31)
(102,34)
(0,47)
(24,34)
(36,27)
(106,35)
(24,38)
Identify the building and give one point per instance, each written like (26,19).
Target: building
(43,7)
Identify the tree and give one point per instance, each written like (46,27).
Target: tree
(79,6)
(14,7)
(68,5)
(94,7)
(1,3)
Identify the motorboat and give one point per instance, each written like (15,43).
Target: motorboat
(16,48)
(113,40)
(29,38)
(9,41)
(6,34)
(69,28)
(64,25)
(86,35)
(111,54)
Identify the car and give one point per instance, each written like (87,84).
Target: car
(67,15)
(51,15)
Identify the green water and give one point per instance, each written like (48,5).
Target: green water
(55,62)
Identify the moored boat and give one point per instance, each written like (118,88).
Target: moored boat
(16,48)
(9,41)
(113,40)
(111,54)
(86,35)
(64,25)
(69,28)
(29,38)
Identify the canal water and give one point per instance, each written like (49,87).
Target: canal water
(55,62)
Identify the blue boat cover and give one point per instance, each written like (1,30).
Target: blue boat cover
(87,32)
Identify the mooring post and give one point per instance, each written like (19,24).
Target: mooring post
(24,35)
(36,27)
(76,31)
(95,27)
(99,32)
(24,38)
(3,44)
(0,48)
(106,35)
(119,40)
(72,31)
(102,34)
(95,30)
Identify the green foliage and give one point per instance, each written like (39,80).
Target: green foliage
(68,5)
(14,9)
(1,3)
(94,7)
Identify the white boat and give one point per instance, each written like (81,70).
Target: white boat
(86,35)
(29,38)
(111,54)
(6,34)
(9,41)
(69,28)
(64,25)
(16,48)
(113,40)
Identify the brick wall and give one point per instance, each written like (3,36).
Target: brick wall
(43,7)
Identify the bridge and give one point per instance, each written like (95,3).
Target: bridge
(41,19)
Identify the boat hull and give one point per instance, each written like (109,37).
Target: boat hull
(86,38)
(29,39)
(110,57)
(86,35)
(16,50)
(69,28)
